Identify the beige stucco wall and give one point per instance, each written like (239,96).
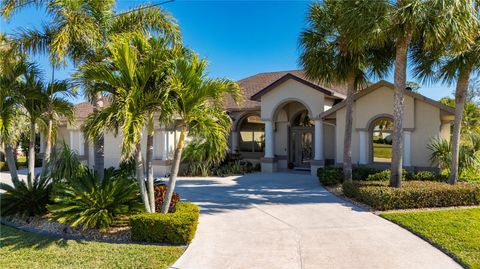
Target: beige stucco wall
(291,90)
(421,118)
(381,101)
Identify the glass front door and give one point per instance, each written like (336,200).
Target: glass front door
(301,146)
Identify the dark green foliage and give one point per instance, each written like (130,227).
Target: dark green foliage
(362,172)
(28,198)
(413,194)
(3,166)
(385,176)
(171,228)
(87,202)
(330,176)
(65,164)
(127,167)
(430,176)
(227,168)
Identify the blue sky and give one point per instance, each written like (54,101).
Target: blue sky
(239,38)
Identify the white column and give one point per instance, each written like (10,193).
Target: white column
(234,145)
(406,148)
(164,138)
(318,140)
(268,139)
(363,147)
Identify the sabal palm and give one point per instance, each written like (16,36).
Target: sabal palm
(198,104)
(129,77)
(406,23)
(328,57)
(453,67)
(81,29)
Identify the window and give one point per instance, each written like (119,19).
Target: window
(252,135)
(382,130)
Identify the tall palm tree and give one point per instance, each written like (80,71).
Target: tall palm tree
(56,106)
(129,76)
(454,67)
(81,29)
(406,23)
(329,56)
(198,103)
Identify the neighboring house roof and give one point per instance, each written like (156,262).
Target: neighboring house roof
(82,110)
(259,84)
(383,83)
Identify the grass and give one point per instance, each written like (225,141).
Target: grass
(382,150)
(455,231)
(19,249)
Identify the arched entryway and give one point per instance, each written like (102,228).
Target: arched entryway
(301,140)
(381,136)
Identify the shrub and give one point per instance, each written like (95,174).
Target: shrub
(3,166)
(413,194)
(171,228)
(28,198)
(362,172)
(160,192)
(330,176)
(428,176)
(65,164)
(386,174)
(87,202)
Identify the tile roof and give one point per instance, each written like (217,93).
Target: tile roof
(253,84)
(250,86)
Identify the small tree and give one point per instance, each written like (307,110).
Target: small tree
(198,102)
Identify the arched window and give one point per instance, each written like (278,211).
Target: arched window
(252,134)
(381,137)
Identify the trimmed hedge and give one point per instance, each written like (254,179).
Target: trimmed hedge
(330,176)
(412,194)
(176,228)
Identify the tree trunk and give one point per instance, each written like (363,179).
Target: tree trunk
(31,150)
(98,145)
(48,148)
(10,156)
(460,97)
(347,139)
(400,76)
(150,133)
(173,175)
(140,175)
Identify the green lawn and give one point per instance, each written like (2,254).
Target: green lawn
(455,231)
(382,150)
(19,249)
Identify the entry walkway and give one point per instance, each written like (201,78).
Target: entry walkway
(288,221)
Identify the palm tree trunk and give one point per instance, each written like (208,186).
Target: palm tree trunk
(48,147)
(460,97)
(400,76)
(150,133)
(140,175)
(347,139)
(173,175)
(31,150)
(98,145)
(10,156)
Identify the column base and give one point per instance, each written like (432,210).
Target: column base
(269,165)
(315,165)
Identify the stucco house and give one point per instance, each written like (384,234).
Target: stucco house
(289,122)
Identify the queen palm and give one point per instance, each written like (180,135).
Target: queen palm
(328,57)
(130,79)
(197,102)
(81,29)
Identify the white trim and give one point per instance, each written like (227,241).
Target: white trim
(363,146)
(269,144)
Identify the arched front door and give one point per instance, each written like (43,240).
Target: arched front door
(301,140)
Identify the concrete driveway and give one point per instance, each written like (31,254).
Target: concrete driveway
(282,220)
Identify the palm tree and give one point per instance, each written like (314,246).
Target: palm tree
(329,56)
(130,77)
(454,67)
(198,103)
(406,23)
(57,107)
(81,29)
